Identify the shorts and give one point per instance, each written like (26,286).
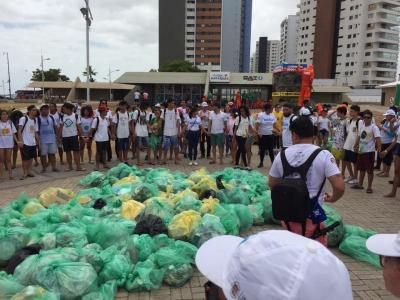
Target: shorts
(170,141)
(142,142)
(28,152)
(337,154)
(397,150)
(71,143)
(101,146)
(46,149)
(388,159)
(350,156)
(217,139)
(365,162)
(122,144)
(315,130)
(324,133)
(250,141)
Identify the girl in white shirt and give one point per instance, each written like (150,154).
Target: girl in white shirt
(243,129)
(86,124)
(193,126)
(7,138)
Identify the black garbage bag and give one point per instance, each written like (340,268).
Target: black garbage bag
(99,204)
(207,194)
(20,256)
(152,225)
(219,183)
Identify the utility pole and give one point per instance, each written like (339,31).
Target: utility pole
(4,88)
(9,77)
(87,14)
(41,64)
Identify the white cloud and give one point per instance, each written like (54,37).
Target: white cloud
(124,34)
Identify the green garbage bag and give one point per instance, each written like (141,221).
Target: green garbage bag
(9,286)
(354,246)
(48,241)
(243,214)
(68,279)
(268,215)
(228,219)
(35,293)
(161,241)
(188,203)
(109,232)
(359,231)
(181,185)
(146,276)
(257,212)
(237,196)
(12,240)
(144,245)
(178,276)
(71,235)
(93,179)
(143,191)
(209,227)
(335,236)
(169,256)
(161,209)
(120,171)
(186,249)
(93,255)
(107,291)
(117,268)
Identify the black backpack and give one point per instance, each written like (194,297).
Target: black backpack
(290,197)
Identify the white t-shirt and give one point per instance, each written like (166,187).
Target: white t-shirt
(101,134)
(108,116)
(141,121)
(86,124)
(170,118)
(123,121)
(204,115)
(193,124)
(286,133)
(7,130)
(352,134)
(387,136)
(218,122)
(56,118)
(136,95)
(70,125)
(324,123)
(28,134)
(243,127)
(367,135)
(324,166)
(266,122)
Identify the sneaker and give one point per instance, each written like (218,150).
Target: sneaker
(196,163)
(353,182)
(191,163)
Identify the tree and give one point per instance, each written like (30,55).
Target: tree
(49,75)
(153,70)
(179,66)
(92,73)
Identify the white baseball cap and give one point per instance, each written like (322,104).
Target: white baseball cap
(385,244)
(304,111)
(389,112)
(275,264)
(157,105)
(204,104)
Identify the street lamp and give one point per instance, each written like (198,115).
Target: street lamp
(87,15)
(42,62)
(109,79)
(9,77)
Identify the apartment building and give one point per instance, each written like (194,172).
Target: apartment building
(289,39)
(273,54)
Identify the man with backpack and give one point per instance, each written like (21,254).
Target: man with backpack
(28,140)
(171,130)
(141,131)
(121,131)
(100,132)
(297,181)
(48,138)
(288,118)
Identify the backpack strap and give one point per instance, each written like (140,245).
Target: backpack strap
(39,119)
(25,122)
(302,170)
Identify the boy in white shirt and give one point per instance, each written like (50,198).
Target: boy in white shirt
(69,133)
(217,125)
(171,130)
(324,129)
(100,131)
(56,115)
(368,140)
(266,126)
(140,121)
(28,140)
(121,131)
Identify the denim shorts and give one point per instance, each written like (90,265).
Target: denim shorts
(142,142)
(170,141)
(46,149)
(123,144)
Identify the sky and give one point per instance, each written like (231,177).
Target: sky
(123,36)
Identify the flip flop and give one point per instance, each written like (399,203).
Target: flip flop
(369,191)
(30,175)
(357,187)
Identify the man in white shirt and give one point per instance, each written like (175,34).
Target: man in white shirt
(121,130)
(171,130)
(204,115)
(350,156)
(28,140)
(368,140)
(288,118)
(323,167)
(100,131)
(56,115)
(140,121)
(217,126)
(70,130)
(266,127)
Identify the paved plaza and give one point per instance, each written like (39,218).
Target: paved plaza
(369,211)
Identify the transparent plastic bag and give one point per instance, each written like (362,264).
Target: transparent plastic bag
(116,268)
(146,276)
(178,276)
(107,291)
(9,286)
(35,293)
(209,227)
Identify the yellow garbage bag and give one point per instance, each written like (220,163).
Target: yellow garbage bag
(82,200)
(196,176)
(205,184)
(179,196)
(209,206)
(131,209)
(183,224)
(126,180)
(32,208)
(55,196)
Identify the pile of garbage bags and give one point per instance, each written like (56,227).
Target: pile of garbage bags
(130,228)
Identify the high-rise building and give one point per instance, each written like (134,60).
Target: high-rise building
(273,54)
(288,51)
(214,33)
(253,63)
(355,42)
(262,49)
